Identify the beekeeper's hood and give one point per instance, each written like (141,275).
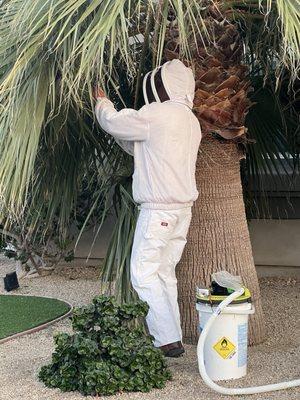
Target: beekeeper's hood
(172,81)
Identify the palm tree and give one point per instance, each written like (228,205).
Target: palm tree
(51,55)
(222,101)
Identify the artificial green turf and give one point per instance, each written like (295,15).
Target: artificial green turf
(19,313)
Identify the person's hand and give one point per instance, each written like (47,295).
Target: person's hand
(98,93)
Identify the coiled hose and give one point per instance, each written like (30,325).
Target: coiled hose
(202,370)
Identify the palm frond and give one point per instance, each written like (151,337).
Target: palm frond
(288,22)
(51,55)
(271,31)
(115,273)
(273,160)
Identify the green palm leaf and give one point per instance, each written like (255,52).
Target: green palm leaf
(52,53)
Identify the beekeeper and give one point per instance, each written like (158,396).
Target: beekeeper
(164,137)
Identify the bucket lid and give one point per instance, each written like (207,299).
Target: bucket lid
(213,299)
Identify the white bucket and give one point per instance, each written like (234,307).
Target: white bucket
(225,350)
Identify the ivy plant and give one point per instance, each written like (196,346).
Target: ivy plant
(107,353)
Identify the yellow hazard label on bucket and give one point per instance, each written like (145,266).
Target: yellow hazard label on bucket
(225,348)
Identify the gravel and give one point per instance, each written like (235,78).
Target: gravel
(275,360)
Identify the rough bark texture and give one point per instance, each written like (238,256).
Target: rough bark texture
(218,237)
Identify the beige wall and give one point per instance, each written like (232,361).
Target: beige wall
(85,247)
(275,243)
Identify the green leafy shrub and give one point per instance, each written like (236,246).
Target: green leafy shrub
(107,353)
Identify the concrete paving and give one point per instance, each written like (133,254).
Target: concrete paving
(275,360)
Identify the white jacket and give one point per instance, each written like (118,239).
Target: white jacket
(164,138)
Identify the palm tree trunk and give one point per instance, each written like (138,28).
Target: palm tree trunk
(218,237)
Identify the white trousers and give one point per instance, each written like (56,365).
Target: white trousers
(159,241)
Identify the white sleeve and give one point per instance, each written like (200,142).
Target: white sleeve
(127,146)
(127,124)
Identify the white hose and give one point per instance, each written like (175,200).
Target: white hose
(202,370)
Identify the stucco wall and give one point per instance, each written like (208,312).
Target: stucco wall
(96,251)
(274,242)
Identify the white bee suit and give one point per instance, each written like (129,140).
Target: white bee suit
(164,138)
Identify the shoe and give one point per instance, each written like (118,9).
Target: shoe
(172,349)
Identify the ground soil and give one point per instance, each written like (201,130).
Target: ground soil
(275,360)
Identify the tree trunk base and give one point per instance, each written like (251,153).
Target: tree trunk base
(218,237)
